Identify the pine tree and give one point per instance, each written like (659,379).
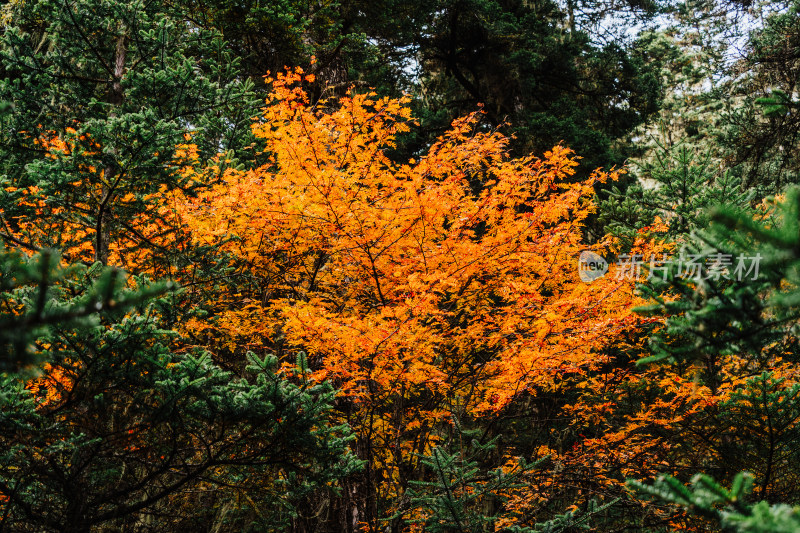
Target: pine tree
(734,321)
(727,507)
(749,301)
(121,424)
(461,495)
(762,132)
(29,304)
(760,432)
(100,94)
(679,167)
(680,185)
(538,66)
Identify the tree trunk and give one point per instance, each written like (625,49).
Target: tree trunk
(115,98)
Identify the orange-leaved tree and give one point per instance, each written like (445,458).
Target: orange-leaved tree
(442,286)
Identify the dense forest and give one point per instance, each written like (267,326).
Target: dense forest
(399,266)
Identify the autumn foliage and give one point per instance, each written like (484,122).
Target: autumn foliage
(433,292)
(460,267)
(436,294)
(443,286)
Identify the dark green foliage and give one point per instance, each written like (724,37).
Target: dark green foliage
(121,83)
(679,186)
(30,302)
(267,36)
(572,520)
(759,432)
(462,495)
(550,81)
(123,425)
(359,42)
(763,131)
(727,507)
(722,316)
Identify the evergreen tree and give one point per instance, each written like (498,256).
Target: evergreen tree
(99,94)
(746,304)
(532,65)
(680,186)
(28,306)
(728,508)
(734,320)
(121,425)
(462,496)
(762,133)
(760,433)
